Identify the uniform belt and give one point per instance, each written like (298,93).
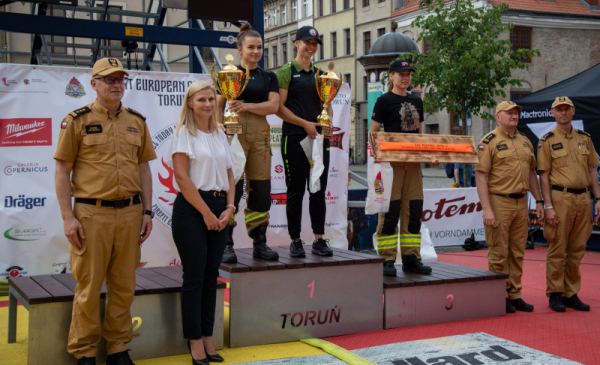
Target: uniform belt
(111,203)
(215,193)
(569,190)
(514,196)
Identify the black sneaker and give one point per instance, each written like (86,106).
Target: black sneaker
(411,263)
(86,361)
(261,250)
(229,256)
(120,358)
(389,269)
(296,249)
(556,302)
(520,305)
(509,307)
(321,247)
(575,303)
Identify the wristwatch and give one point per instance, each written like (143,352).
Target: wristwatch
(539,202)
(149,212)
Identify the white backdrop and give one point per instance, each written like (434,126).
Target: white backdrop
(35,99)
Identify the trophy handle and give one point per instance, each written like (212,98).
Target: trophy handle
(247,78)
(317,80)
(214,80)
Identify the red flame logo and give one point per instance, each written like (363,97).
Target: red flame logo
(167,182)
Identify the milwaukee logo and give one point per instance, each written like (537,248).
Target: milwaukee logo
(536,114)
(16,130)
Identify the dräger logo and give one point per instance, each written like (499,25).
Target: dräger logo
(535,114)
(25,132)
(22,202)
(24,168)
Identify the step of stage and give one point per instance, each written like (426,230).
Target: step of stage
(451,293)
(297,298)
(155,312)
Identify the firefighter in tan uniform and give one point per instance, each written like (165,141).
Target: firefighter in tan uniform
(106,147)
(505,173)
(566,159)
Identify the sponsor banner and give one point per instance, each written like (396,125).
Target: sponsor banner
(452,215)
(34,102)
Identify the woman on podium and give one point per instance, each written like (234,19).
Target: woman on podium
(400,112)
(299,108)
(201,159)
(259,99)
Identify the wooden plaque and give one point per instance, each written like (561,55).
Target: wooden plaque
(231,129)
(422,156)
(327,132)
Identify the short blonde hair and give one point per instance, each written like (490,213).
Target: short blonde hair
(186,117)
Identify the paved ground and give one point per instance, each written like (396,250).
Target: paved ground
(433,177)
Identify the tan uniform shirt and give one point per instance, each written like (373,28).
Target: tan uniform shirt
(508,161)
(105,151)
(567,159)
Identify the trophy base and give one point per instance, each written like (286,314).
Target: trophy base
(232,129)
(326,131)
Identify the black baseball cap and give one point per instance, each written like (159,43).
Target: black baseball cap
(400,66)
(307,33)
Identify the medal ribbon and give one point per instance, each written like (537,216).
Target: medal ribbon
(434,147)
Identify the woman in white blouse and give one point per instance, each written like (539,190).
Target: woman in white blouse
(202,161)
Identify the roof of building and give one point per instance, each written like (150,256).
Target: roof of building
(574,7)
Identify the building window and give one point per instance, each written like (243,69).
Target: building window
(367,42)
(380,32)
(108,42)
(333,6)
(427,46)
(294,10)
(365,3)
(266,54)
(275,63)
(320,13)
(273,17)
(381,1)
(521,39)
(346,4)
(283,14)
(284,53)
(333,44)
(304,8)
(266,20)
(348,80)
(348,49)
(399,4)
(321,49)
(58,38)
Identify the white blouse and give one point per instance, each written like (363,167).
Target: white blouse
(210,157)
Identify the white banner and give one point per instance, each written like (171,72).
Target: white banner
(452,215)
(35,99)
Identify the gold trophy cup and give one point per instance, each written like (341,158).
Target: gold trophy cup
(328,86)
(230,82)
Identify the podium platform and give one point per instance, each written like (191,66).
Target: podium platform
(297,298)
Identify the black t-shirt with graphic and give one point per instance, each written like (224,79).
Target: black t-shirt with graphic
(259,86)
(400,114)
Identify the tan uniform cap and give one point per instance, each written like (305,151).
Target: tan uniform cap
(507,105)
(562,100)
(107,66)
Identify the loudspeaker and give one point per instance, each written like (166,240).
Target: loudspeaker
(222,10)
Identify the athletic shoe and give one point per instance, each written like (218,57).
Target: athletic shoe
(509,307)
(520,305)
(389,269)
(321,247)
(556,302)
(575,303)
(296,249)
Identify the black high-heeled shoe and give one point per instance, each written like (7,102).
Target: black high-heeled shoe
(197,362)
(214,358)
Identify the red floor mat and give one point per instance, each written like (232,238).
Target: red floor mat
(572,335)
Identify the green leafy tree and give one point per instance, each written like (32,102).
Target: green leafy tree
(468,64)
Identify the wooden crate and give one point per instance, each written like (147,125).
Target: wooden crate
(422,156)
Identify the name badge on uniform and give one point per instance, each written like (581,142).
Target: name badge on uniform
(132,129)
(502,147)
(557,146)
(93,129)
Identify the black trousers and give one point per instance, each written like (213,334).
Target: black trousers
(297,172)
(201,251)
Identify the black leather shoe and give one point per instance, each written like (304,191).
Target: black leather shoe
(509,307)
(389,269)
(261,250)
(556,302)
(86,361)
(575,303)
(520,305)
(411,263)
(194,361)
(120,358)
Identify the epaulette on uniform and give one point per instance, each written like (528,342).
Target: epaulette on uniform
(136,113)
(488,138)
(79,112)
(523,134)
(584,133)
(546,136)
